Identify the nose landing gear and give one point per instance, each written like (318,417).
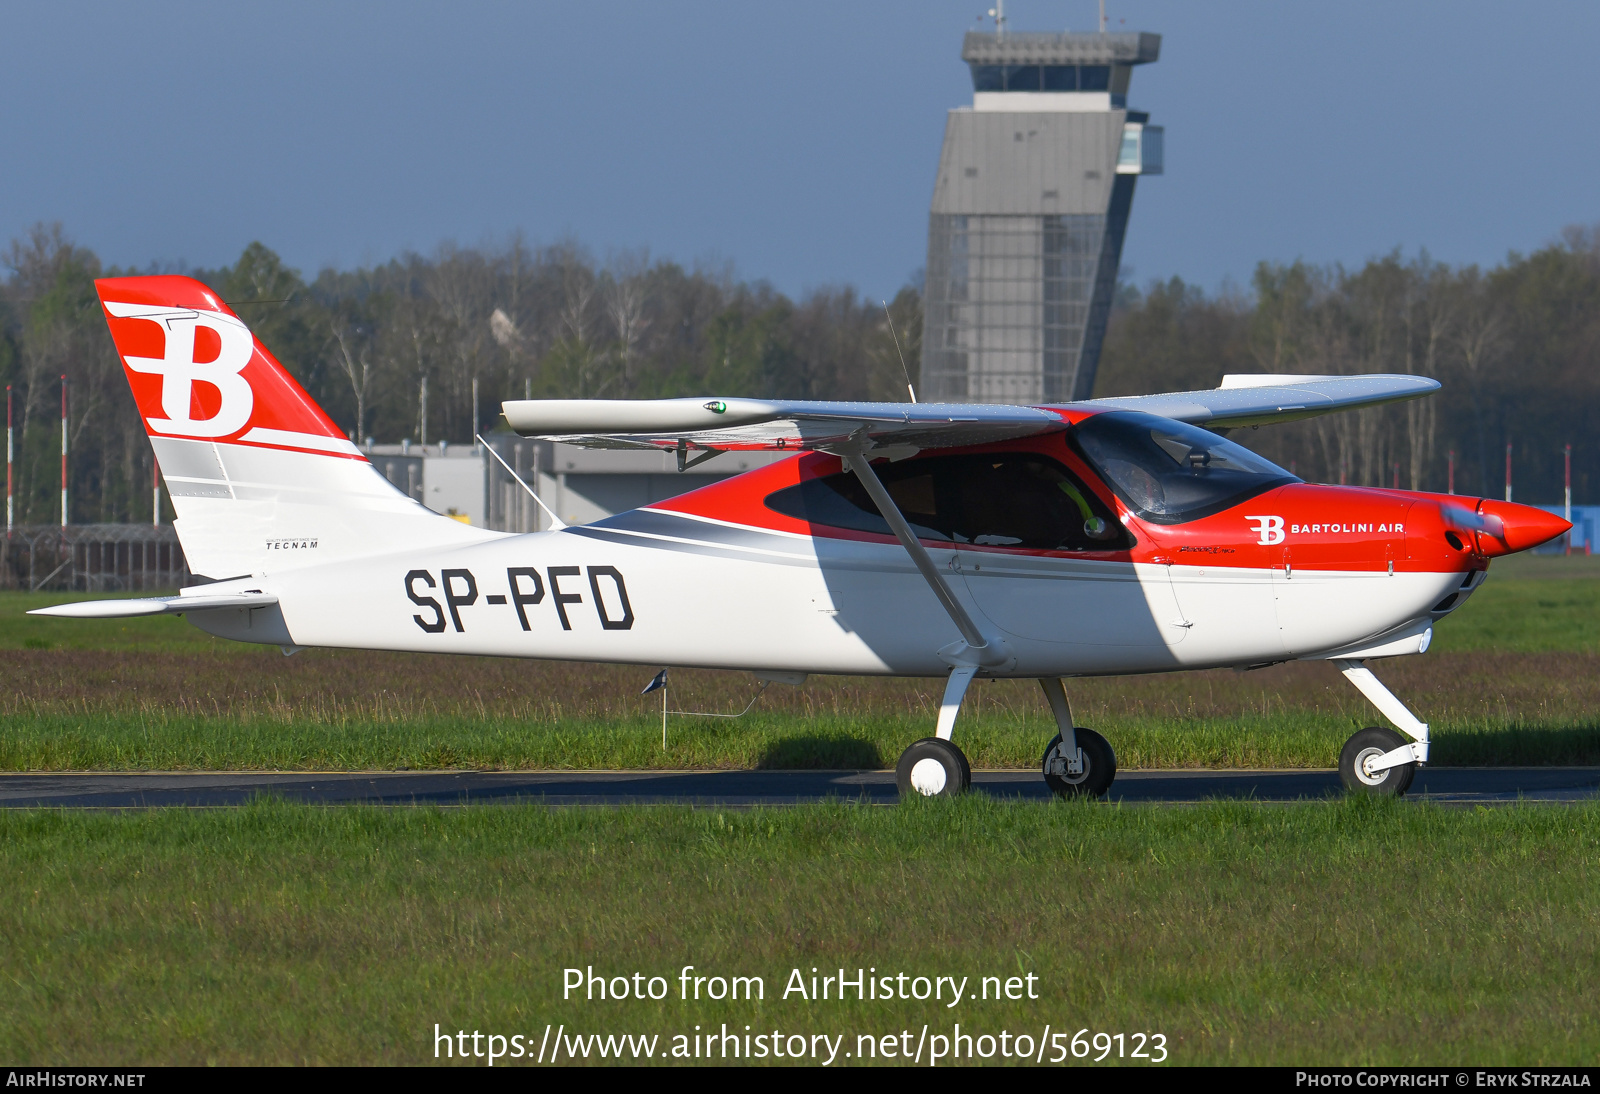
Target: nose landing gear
(1377,761)
(1361,760)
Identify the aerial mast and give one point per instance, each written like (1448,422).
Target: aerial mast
(10,456)
(63,451)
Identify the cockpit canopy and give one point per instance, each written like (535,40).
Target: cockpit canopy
(1164,471)
(989,499)
(1168,472)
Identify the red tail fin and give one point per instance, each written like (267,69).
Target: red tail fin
(197,371)
(260,477)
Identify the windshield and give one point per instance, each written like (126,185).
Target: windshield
(1168,472)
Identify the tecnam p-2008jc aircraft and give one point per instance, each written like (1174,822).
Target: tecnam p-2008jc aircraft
(1105,537)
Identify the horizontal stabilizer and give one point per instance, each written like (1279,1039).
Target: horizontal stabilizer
(156,605)
(1259,399)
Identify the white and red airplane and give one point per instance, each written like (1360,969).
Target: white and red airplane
(1099,538)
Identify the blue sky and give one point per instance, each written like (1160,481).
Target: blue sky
(797,142)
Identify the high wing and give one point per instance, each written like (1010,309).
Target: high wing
(772,423)
(1256,399)
(720,424)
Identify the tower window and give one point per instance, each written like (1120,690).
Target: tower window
(1128,154)
(1061,77)
(988,78)
(1042,78)
(1022,77)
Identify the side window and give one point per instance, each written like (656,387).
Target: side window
(1002,499)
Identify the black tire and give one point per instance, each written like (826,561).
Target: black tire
(932,768)
(1374,740)
(1099,766)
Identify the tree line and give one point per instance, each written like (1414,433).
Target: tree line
(1516,348)
(426,347)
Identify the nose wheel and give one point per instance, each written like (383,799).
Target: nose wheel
(933,768)
(1358,761)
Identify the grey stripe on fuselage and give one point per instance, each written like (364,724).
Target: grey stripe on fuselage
(655,522)
(687,535)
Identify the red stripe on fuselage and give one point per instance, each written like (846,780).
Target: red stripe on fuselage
(1341,528)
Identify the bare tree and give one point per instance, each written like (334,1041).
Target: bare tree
(354,345)
(626,291)
(1480,340)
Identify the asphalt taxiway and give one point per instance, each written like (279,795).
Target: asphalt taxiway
(144,790)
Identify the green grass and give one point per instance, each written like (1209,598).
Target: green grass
(1529,604)
(1355,932)
(1513,677)
(1293,740)
(324,710)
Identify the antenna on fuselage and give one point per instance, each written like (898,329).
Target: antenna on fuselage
(911,391)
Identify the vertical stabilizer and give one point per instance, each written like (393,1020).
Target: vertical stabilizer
(260,477)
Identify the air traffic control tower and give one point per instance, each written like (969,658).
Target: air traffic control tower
(1029,210)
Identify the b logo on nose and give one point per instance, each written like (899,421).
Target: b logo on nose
(179,370)
(1268,529)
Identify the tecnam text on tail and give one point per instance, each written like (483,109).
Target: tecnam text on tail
(1105,537)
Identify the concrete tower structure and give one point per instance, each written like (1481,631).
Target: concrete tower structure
(1035,183)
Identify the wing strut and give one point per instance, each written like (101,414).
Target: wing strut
(986,650)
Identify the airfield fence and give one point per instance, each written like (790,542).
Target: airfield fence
(92,558)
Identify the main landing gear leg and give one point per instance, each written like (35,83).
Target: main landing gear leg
(1078,762)
(933,766)
(1379,761)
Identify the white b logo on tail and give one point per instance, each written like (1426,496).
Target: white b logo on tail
(178,369)
(1269,529)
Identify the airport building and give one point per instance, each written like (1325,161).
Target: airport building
(1030,205)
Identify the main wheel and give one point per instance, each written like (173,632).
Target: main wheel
(1099,766)
(932,768)
(1366,746)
